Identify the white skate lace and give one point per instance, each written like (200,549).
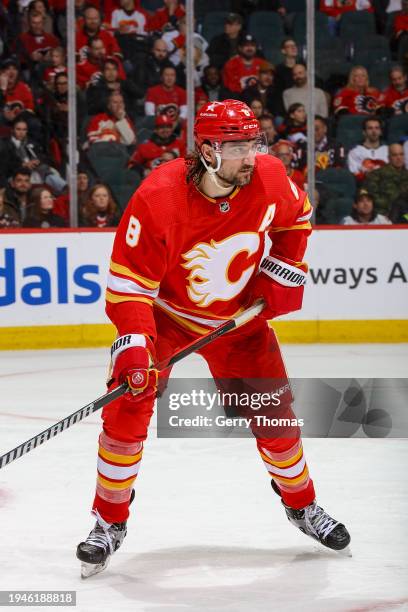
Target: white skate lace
(318,521)
(100,535)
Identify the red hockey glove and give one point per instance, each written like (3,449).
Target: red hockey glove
(280,284)
(131,363)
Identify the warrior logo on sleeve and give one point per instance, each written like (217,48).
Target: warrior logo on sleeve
(211,275)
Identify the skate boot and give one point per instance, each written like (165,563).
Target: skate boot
(104,539)
(317,524)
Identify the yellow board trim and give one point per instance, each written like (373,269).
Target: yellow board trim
(288,332)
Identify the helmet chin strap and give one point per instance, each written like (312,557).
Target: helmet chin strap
(213,171)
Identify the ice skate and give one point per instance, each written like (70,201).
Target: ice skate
(104,539)
(318,524)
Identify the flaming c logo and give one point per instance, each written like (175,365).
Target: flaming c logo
(209,265)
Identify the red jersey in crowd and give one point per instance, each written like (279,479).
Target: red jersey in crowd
(43,43)
(110,42)
(356,103)
(163,101)
(396,100)
(162,16)
(51,72)
(148,154)
(88,72)
(178,251)
(238,74)
(21,94)
(102,128)
(334,8)
(400,23)
(297,177)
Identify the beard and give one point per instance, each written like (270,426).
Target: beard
(238,178)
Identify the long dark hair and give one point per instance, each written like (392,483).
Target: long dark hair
(195,168)
(35,202)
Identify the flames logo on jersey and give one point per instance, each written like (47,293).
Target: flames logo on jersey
(366,104)
(209,265)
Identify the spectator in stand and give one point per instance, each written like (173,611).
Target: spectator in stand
(84,184)
(299,92)
(371,154)
(39,6)
(395,98)
(58,66)
(19,151)
(166,18)
(329,152)
(35,45)
(257,107)
(284,70)
(100,209)
(200,63)
(130,24)
(151,154)
(167,98)
(15,96)
(242,70)
(336,8)
(9,218)
(390,182)
(266,91)
(92,28)
(294,127)
(112,126)
(399,209)
(89,71)
(176,43)
(224,46)
(158,58)
(98,93)
(284,151)
(129,19)
(357,98)
(400,26)
(364,213)
(57,106)
(41,213)
(17,192)
(268,127)
(212,89)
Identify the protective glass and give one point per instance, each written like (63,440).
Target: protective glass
(242,149)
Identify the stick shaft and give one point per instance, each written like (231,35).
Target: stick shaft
(102,401)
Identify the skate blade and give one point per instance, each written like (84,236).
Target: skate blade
(90,569)
(346,552)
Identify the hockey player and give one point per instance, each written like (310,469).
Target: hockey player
(188,255)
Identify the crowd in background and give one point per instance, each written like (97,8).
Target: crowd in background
(131,100)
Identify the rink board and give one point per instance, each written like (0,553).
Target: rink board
(52,288)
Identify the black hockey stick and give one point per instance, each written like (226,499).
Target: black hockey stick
(102,401)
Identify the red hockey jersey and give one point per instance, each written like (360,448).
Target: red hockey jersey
(238,75)
(194,256)
(357,103)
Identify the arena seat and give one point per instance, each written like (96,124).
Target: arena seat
(349,130)
(339,180)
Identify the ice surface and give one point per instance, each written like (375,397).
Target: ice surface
(206,531)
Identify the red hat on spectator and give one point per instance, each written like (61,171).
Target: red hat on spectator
(162,120)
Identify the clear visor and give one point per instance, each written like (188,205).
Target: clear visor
(242,149)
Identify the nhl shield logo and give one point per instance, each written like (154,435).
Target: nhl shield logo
(224,207)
